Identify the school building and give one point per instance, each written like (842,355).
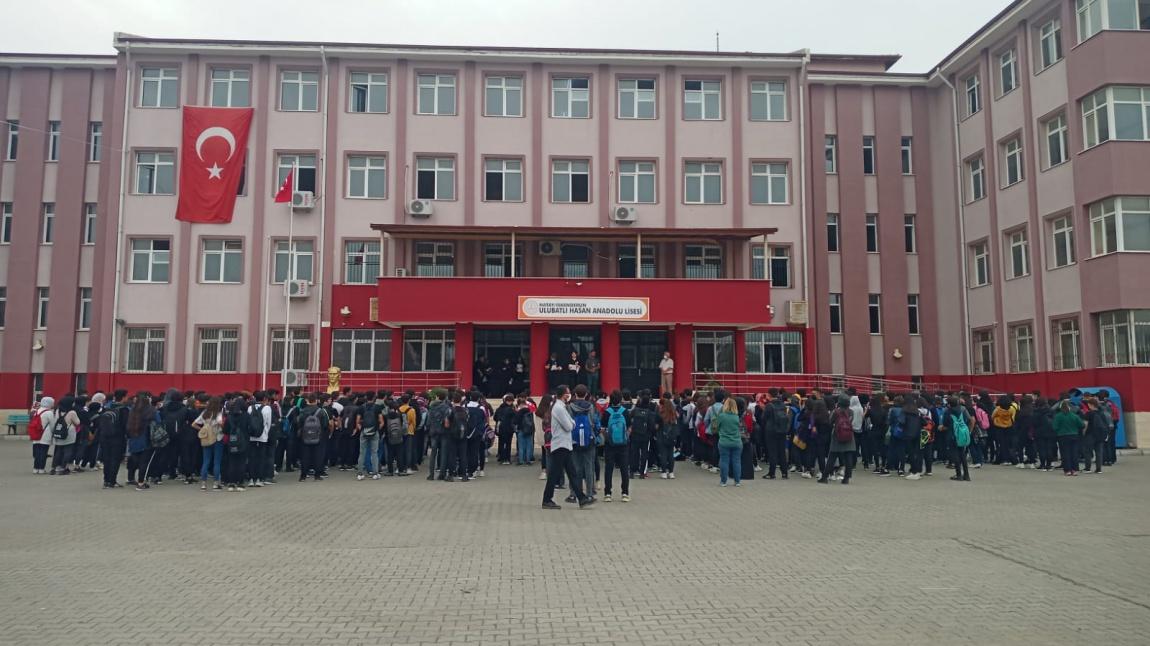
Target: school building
(768,218)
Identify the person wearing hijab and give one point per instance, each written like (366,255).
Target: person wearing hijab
(64,446)
(42,437)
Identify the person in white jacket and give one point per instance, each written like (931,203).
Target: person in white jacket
(63,446)
(559,461)
(47,413)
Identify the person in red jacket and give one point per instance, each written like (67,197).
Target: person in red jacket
(36,421)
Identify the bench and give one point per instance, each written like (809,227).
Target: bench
(17,419)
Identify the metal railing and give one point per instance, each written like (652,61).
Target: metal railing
(753,383)
(393,381)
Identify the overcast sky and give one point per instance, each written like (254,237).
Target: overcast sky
(923,31)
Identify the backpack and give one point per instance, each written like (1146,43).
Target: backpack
(582,433)
(395,428)
(476,421)
(438,419)
(640,421)
(1104,411)
(370,420)
(256,421)
(460,417)
(1003,418)
(35,428)
(60,427)
(238,441)
(616,426)
(981,419)
(896,423)
(844,430)
(158,434)
(311,431)
(961,431)
(779,421)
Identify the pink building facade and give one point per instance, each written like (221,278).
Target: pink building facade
(982,224)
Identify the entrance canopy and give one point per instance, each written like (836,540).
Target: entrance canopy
(615,233)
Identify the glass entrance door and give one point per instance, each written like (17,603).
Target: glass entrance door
(564,341)
(502,361)
(640,352)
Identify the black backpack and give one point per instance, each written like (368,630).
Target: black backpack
(641,421)
(60,427)
(438,419)
(396,426)
(460,418)
(107,425)
(256,421)
(779,421)
(311,430)
(370,424)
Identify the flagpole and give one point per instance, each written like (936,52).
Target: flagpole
(290,274)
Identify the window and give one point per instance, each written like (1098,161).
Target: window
(158,87)
(41,308)
(703,261)
(95,140)
(1066,339)
(714,351)
(976,179)
(1007,71)
(571,181)
(53,141)
(833,232)
(361,262)
(221,261)
(1116,113)
(632,267)
(909,233)
(774,352)
(144,347)
(983,352)
(907,150)
(3,306)
(835,303)
(703,183)
(973,95)
(636,98)
(435,178)
(768,183)
(830,152)
(780,265)
(1012,162)
(1022,348)
(1125,337)
(874,312)
(298,349)
(231,88)
(304,177)
(434,259)
(294,262)
(155,173)
(6,223)
(1062,238)
(1096,15)
(432,350)
(637,182)
(912,314)
(503,96)
(980,264)
(1050,43)
(571,98)
(575,259)
(768,100)
(702,100)
(872,233)
(503,180)
(13,144)
(151,260)
(1056,152)
(366,177)
(368,92)
(219,347)
(868,155)
(497,258)
(1120,224)
(47,222)
(436,94)
(361,350)
(299,91)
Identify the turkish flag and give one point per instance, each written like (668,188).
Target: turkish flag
(215,143)
(284,194)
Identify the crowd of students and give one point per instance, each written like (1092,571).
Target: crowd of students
(240,440)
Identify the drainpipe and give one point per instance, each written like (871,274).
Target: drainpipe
(322,208)
(968,359)
(120,214)
(802,180)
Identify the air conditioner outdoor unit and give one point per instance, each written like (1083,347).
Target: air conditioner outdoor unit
(401,272)
(796,312)
(303,200)
(550,248)
(624,214)
(420,208)
(294,378)
(297,288)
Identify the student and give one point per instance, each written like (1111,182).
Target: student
(259,427)
(1002,431)
(83,434)
(820,438)
(1097,428)
(455,463)
(877,414)
(63,435)
(139,421)
(410,421)
(583,434)
(112,432)
(554,370)
(1067,427)
(210,433)
(616,424)
(478,421)
(314,422)
(776,422)
(543,412)
(729,431)
(524,426)
(559,460)
(959,423)
(395,432)
(505,428)
(237,443)
(644,425)
(438,428)
(1109,409)
(40,432)
(1044,438)
(665,439)
(842,440)
(574,369)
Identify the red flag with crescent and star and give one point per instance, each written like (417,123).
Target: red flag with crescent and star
(215,143)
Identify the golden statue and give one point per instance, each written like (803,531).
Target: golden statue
(333,375)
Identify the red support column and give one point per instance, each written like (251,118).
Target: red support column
(609,377)
(537,360)
(683,352)
(465,353)
(740,351)
(397,349)
(810,358)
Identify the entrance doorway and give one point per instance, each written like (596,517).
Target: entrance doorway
(502,361)
(639,355)
(564,341)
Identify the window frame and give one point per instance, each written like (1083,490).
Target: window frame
(872,233)
(771,177)
(52,155)
(365,253)
(378,359)
(84,310)
(910,233)
(230,84)
(47,223)
(906,150)
(699,97)
(869,156)
(1054,35)
(423,337)
(790,344)
(1012,154)
(1082,9)
(439,87)
(225,253)
(12,139)
(973,94)
(303,84)
(1056,126)
(369,84)
(1007,64)
(153,334)
(160,79)
(831,154)
(784,257)
(834,222)
(913,314)
(219,351)
(835,311)
(1062,226)
(638,176)
(43,298)
(979,253)
(164,158)
(372,163)
(1118,214)
(299,336)
(154,259)
(722,343)
(570,173)
(874,314)
(287,160)
(704,256)
(504,91)
(1018,253)
(503,172)
(1058,331)
(1020,341)
(572,96)
(635,97)
(95,141)
(504,255)
(975,190)
(436,250)
(293,255)
(1103,105)
(6,220)
(983,352)
(3,306)
(701,177)
(449,165)
(768,92)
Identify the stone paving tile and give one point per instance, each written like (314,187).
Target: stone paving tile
(1015,557)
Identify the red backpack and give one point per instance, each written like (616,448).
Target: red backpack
(844,430)
(35,427)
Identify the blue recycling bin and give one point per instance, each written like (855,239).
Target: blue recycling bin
(1120,434)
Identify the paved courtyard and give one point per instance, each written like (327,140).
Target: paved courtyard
(1015,557)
